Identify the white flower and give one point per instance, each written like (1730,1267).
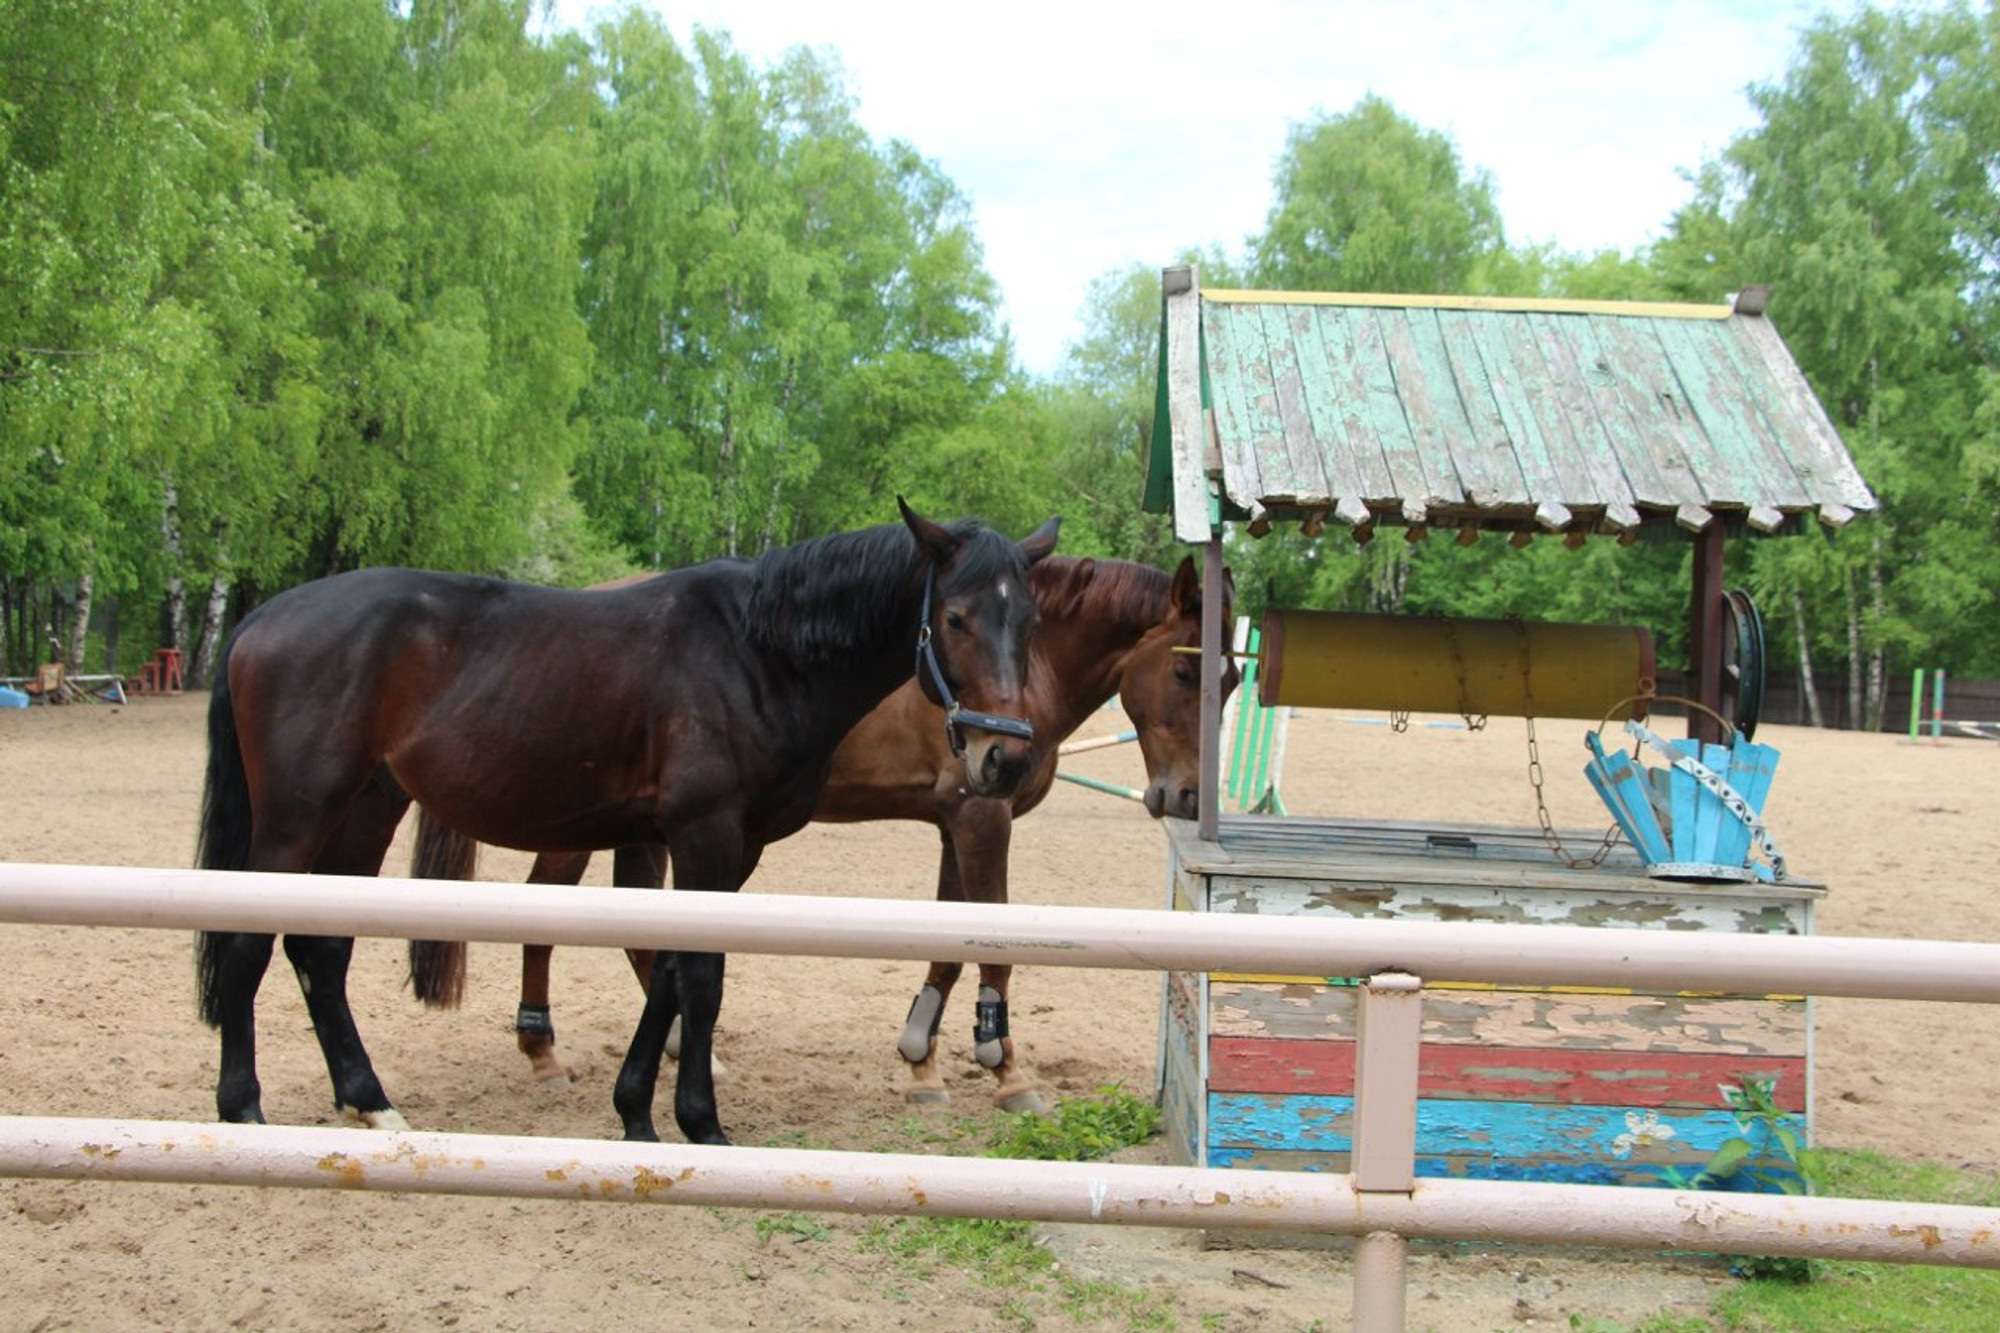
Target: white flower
(1641,1131)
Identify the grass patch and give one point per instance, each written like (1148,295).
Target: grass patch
(1003,1254)
(1846,1297)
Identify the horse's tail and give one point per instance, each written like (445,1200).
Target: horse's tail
(437,967)
(222,840)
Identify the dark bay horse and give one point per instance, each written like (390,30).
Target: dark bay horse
(699,710)
(1107,627)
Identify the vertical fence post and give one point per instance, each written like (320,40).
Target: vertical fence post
(1390,1028)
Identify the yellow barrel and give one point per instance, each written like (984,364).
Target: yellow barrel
(1429,664)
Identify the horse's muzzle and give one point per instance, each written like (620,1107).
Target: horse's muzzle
(996,765)
(1168,795)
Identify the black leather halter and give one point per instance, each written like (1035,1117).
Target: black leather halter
(954,716)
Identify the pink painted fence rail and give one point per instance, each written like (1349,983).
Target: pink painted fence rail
(1381,1205)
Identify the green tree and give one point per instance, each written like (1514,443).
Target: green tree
(1370,202)
(1865,198)
(442,161)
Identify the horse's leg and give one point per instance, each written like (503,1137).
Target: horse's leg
(981,836)
(356,848)
(534,1029)
(918,1045)
(707,856)
(234,964)
(642,866)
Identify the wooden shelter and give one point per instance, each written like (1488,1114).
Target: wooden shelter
(1467,414)
(1463,415)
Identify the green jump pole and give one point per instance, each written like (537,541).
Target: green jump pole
(1916,700)
(1937,704)
(1095,785)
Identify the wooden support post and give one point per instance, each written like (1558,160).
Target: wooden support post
(1212,649)
(1705,633)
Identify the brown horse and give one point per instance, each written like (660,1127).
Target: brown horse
(699,710)
(1107,627)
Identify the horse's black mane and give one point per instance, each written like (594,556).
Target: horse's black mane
(826,597)
(1078,588)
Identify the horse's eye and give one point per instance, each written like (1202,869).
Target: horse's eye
(1185,673)
(954,622)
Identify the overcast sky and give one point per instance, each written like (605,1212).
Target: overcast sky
(1089,136)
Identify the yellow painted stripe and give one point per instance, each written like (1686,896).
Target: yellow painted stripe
(1272,979)
(1502,304)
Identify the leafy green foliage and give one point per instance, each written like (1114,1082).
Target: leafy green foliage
(1080,1130)
(290,286)
(1370,202)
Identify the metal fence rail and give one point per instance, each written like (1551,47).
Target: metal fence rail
(1383,1212)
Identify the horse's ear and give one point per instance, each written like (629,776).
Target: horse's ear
(933,539)
(1185,595)
(1041,542)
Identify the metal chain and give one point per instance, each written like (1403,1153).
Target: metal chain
(1458,668)
(1399,720)
(1535,775)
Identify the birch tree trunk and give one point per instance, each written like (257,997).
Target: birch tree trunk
(79,626)
(1854,657)
(173,628)
(1878,667)
(201,666)
(1807,690)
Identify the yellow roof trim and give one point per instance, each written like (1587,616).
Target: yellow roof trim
(1515,304)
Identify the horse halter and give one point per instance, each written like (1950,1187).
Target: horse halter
(954,716)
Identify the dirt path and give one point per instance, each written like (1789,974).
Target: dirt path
(103,1023)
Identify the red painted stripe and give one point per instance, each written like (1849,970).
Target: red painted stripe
(1484,1073)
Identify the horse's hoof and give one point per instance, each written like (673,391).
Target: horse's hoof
(1025,1100)
(926,1096)
(386,1118)
(548,1069)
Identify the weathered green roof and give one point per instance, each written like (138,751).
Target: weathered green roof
(1473,413)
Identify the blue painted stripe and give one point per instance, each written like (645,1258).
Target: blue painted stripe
(1494,1130)
(1765,1178)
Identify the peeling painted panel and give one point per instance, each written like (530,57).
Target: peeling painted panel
(1528,1131)
(1535,1019)
(1470,1166)
(1690,1079)
(1670,907)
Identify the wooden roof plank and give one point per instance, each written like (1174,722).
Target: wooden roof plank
(1339,452)
(1355,407)
(1494,460)
(1457,471)
(1304,455)
(1187,430)
(1548,370)
(1245,409)
(1509,382)
(1571,355)
(1413,479)
(1745,464)
(1606,390)
(1658,447)
(1818,453)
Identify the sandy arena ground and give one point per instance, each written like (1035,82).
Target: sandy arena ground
(102,1022)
